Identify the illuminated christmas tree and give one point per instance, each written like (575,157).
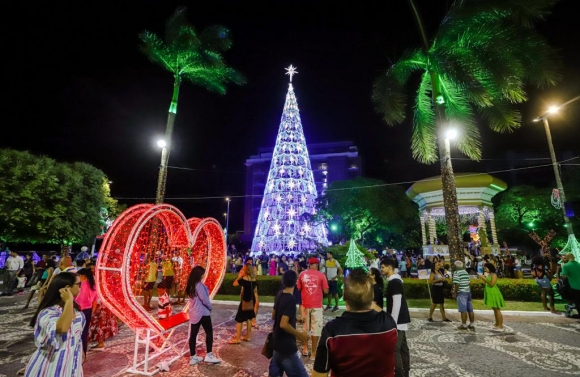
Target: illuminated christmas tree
(354,257)
(290,192)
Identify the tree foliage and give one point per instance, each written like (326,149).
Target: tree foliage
(478,62)
(368,211)
(194,56)
(49,202)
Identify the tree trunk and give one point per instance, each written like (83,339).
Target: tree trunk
(447,178)
(162,179)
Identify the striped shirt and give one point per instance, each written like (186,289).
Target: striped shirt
(56,354)
(461,277)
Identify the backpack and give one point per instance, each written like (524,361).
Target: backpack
(564,289)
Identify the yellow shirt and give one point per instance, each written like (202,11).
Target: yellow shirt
(152,275)
(167,267)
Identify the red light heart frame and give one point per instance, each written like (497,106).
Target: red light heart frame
(155,231)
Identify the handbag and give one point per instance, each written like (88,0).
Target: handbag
(268,348)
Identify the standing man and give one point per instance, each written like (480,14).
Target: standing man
(313,286)
(149,283)
(463,293)
(398,309)
(264,263)
(361,342)
(333,269)
(571,271)
(285,358)
(14,264)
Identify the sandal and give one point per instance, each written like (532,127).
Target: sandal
(305,354)
(234,341)
(245,339)
(255,326)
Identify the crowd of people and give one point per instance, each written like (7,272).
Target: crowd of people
(69,316)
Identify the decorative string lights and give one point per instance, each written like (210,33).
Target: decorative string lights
(290,192)
(155,233)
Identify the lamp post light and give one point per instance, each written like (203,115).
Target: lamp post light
(572,244)
(227,221)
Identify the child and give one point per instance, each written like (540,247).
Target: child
(199,315)
(21,283)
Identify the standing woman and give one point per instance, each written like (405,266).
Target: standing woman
(436,279)
(273,264)
(58,326)
(378,302)
(247,279)
(492,296)
(199,316)
(87,300)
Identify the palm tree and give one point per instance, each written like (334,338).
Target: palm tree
(483,54)
(191,56)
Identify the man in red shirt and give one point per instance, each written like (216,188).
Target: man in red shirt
(313,286)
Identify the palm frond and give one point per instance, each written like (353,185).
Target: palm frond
(156,51)
(216,38)
(176,24)
(501,116)
(389,99)
(410,61)
(424,139)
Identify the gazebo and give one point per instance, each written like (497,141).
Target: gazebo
(474,193)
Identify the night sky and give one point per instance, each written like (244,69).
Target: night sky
(76,87)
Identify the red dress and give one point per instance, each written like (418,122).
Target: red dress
(103,325)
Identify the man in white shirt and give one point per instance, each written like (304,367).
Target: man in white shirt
(14,264)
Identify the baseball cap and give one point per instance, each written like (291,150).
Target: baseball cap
(313,261)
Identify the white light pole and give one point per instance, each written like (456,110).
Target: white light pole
(572,245)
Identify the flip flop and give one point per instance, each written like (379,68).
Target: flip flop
(245,339)
(234,341)
(305,354)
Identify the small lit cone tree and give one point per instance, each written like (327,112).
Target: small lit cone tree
(290,193)
(479,61)
(191,56)
(354,257)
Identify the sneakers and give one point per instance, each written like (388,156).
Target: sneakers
(335,309)
(194,360)
(328,307)
(462,328)
(447,320)
(211,359)
(471,328)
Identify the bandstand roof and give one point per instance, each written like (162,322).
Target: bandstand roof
(473,189)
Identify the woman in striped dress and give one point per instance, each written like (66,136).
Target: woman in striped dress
(58,326)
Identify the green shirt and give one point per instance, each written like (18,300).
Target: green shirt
(461,277)
(572,272)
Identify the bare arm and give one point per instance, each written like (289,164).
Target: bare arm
(286,326)
(68,313)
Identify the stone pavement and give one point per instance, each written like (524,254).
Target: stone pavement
(532,346)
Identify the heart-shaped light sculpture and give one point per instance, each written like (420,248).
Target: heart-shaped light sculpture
(148,230)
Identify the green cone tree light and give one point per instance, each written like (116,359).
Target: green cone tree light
(354,257)
(191,56)
(482,55)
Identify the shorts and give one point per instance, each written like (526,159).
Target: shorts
(148,285)
(166,282)
(464,303)
(313,321)
(332,287)
(544,283)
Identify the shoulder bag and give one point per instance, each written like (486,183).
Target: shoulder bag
(268,348)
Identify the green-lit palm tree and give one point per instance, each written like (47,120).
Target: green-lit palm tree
(482,55)
(191,56)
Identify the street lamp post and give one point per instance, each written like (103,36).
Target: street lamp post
(572,245)
(227,221)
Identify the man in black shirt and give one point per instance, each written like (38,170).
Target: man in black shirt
(285,358)
(397,308)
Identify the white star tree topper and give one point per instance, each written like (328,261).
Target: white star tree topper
(291,71)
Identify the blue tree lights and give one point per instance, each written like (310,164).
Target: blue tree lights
(290,192)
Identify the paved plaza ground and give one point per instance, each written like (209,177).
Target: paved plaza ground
(532,346)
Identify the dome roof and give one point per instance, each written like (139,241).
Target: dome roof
(462,180)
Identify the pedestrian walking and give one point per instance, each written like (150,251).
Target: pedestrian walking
(285,358)
(14,264)
(462,291)
(436,280)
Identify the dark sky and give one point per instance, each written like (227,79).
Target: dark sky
(76,87)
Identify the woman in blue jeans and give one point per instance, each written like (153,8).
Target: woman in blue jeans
(285,358)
